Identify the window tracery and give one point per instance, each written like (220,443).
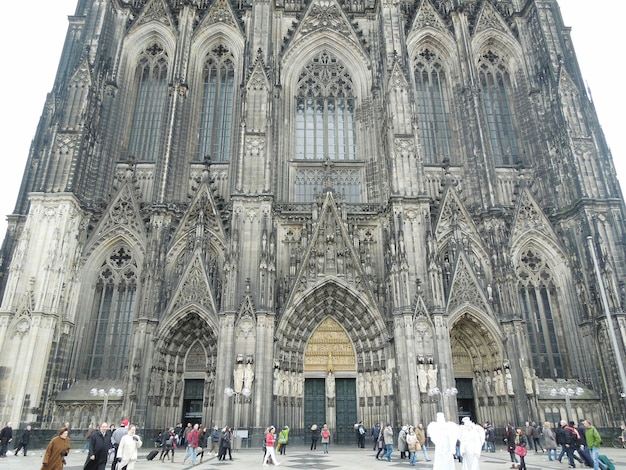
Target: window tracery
(496,88)
(150,102)
(217,105)
(325,131)
(540,306)
(433,107)
(108,330)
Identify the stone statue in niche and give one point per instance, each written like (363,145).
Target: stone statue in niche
(422,378)
(528,380)
(509,382)
(330,385)
(248,376)
(432,376)
(238,378)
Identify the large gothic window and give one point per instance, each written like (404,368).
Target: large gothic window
(325,131)
(433,107)
(150,101)
(217,105)
(109,327)
(538,297)
(496,90)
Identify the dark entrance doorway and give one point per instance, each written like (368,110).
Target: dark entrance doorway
(192,401)
(465,399)
(314,403)
(345,406)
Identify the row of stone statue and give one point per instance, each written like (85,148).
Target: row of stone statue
(243,376)
(500,383)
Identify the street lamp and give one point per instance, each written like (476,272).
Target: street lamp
(246,392)
(448,392)
(112,392)
(567,393)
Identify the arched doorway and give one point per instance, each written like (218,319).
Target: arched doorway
(330,394)
(182,383)
(480,368)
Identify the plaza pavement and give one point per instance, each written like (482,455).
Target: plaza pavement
(299,457)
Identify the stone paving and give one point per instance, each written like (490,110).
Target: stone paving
(299,457)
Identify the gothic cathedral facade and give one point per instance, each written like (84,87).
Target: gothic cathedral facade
(262,212)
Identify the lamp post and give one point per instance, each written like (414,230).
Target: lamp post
(567,393)
(246,392)
(448,392)
(112,392)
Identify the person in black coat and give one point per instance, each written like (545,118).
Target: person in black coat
(99,445)
(6,436)
(24,441)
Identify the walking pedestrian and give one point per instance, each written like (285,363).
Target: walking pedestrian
(270,438)
(421,438)
(388,436)
(593,443)
(325,438)
(6,436)
(24,441)
(549,439)
(57,450)
(99,446)
(192,445)
(127,449)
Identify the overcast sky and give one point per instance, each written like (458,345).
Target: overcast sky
(33,39)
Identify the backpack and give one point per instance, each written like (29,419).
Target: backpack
(325,433)
(361,430)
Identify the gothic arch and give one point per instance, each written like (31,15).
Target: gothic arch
(195,320)
(304,51)
(103,247)
(476,341)
(329,347)
(207,38)
(443,45)
(494,40)
(361,321)
(479,328)
(144,36)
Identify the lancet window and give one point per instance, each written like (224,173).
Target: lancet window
(217,105)
(150,102)
(433,107)
(540,308)
(495,85)
(109,327)
(325,131)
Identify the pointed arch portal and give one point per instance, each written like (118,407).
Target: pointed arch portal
(182,384)
(479,368)
(331,399)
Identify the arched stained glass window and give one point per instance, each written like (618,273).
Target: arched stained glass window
(433,107)
(538,297)
(325,132)
(325,125)
(108,331)
(495,86)
(217,105)
(150,102)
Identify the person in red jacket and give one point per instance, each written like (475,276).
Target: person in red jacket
(192,445)
(270,438)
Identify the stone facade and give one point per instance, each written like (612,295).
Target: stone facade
(395,208)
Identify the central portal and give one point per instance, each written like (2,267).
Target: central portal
(330,395)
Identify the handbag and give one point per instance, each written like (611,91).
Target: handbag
(520,450)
